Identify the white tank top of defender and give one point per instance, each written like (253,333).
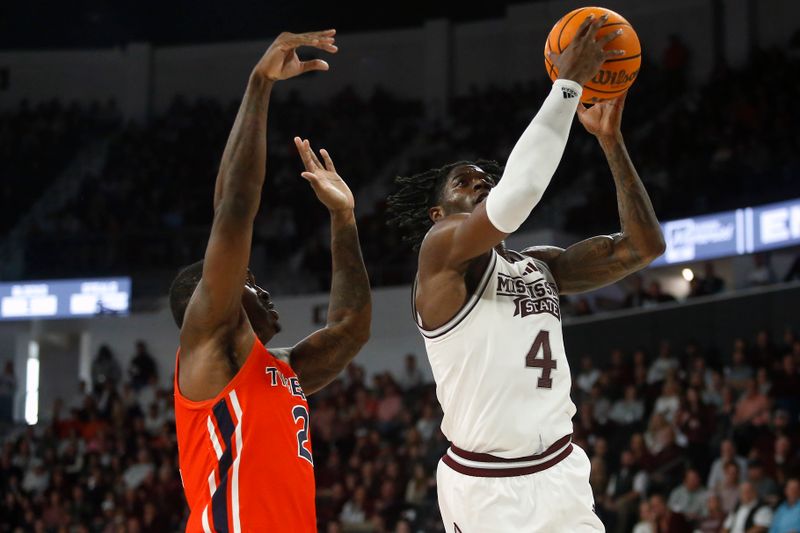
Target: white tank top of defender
(501,371)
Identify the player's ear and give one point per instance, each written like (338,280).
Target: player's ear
(436,213)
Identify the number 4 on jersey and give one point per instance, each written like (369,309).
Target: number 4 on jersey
(546,363)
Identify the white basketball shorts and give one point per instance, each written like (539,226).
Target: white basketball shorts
(544,493)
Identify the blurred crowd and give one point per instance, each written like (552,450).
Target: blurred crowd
(691,438)
(151,205)
(37,142)
(698,149)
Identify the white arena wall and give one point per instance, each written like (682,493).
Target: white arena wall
(67,347)
(428,62)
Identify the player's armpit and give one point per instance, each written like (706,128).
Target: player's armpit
(592,263)
(320,358)
(457,240)
(282,354)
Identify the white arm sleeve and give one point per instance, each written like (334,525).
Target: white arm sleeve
(534,159)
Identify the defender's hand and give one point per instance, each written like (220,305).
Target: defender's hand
(585,54)
(280,61)
(603,119)
(329,187)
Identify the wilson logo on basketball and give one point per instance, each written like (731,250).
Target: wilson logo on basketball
(615,77)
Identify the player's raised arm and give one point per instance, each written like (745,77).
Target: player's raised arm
(217,301)
(605,259)
(321,356)
(532,162)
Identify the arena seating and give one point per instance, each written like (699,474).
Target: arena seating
(151,205)
(107,462)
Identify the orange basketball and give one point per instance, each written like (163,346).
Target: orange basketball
(617,73)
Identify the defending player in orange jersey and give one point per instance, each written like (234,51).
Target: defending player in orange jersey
(241,411)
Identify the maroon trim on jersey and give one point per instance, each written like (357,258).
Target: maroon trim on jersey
(486,458)
(448,326)
(505,472)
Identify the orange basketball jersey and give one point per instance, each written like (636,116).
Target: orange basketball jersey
(245,456)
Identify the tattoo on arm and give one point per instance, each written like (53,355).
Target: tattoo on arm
(602,260)
(640,228)
(319,358)
(237,194)
(243,164)
(350,284)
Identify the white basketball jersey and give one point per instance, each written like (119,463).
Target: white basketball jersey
(501,371)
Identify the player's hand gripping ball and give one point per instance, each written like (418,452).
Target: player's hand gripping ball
(618,73)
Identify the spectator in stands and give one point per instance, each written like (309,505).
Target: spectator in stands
(389,408)
(54,513)
(666,520)
(752,413)
(695,421)
(601,405)
(419,486)
(36,479)
(739,371)
(142,366)
(764,351)
(710,283)
(628,412)
(588,375)
(636,295)
(105,369)
(766,488)
(355,511)
(727,488)
(655,295)
(136,474)
(669,401)
(663,365)
(689,498)
(787,516)
(713,517)
(751,515)
(8,389)
(667,456)
(762,273)
(783,463)
(646,522)
(80,397)
(763,383)
(412,376)
(619,372)
(428,423)
(627,485)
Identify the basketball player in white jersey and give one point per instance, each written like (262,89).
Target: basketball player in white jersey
(491,320)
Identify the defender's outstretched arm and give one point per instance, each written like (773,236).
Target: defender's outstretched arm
(321,356)
(216,303)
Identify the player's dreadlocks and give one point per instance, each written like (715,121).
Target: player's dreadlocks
(408,207)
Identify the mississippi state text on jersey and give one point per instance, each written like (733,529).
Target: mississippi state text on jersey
(501,372)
